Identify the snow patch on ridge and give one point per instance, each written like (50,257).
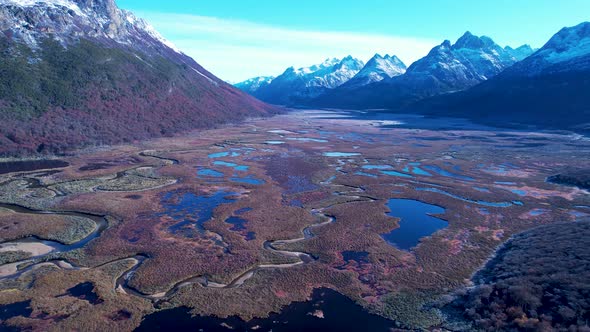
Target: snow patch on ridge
(30,3)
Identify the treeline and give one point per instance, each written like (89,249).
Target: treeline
(539,281)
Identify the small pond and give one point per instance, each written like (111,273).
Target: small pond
(416,222)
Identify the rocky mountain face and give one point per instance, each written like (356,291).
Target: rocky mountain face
(83,72)
(567,50)
(447,68)
(297,85)
(376,70)
(466,63)
(547,89)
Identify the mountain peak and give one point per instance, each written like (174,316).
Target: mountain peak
(569,38)
(68,21)
(139,73)
(377,69)
(567,50)
(470,41)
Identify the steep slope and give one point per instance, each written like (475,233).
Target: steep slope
(297,85)
(79,72)
(447,68)
(549,88)
(377,69)
(254,84)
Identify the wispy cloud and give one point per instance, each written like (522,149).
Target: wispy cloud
(236,50)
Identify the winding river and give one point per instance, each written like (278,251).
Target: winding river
(122,284)
(12,270)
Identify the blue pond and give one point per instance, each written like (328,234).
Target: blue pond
(484,203)
(377,167)
(446,173)
(192,211)
(247,179)
(223,154)
(240,168)
(415,169)
(518,192)
(398,174)
(209,172)
(415,222)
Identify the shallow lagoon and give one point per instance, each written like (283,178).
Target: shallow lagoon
(448,174)
(223,154)
(247,179)
(398,174)
(416,222)
(191,211)
(240,168)
(209,172)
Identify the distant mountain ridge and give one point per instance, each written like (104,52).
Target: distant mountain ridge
(548,89)
(386,82)
(377,69)
(308,82)
(80,72)
(446,68)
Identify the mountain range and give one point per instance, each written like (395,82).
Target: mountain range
(305,83)
(385,81)
(84,72)
(377,69)
(473,78)
(549,89)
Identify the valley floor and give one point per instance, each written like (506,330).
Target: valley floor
(249,219)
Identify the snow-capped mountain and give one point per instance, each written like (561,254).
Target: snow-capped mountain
(377,69)
(69,20)
(86,71)
(466,63)
(549,88)
(447,68)
(567,50)
(254,84)
(295,85)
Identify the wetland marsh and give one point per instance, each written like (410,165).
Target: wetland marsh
(295,215)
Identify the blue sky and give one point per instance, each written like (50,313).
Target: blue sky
(239,39)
